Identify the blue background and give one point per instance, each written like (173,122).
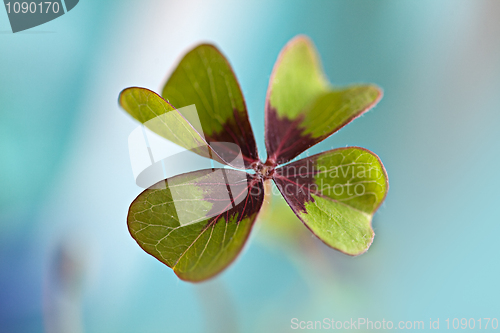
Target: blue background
(67,262)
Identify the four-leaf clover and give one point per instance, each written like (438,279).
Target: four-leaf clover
(197,222)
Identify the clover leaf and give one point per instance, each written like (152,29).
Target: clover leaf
(198,222)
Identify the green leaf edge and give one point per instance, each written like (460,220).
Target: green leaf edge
(236,256)
(328,87)
(384,171)
(215,158)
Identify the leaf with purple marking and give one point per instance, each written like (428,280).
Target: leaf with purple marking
(335,194)
(302,108)
(197,223)
(205,78)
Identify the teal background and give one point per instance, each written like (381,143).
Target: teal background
(67,263)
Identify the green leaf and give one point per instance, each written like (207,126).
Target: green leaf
(162,118)
(302,108)
(198,222)
(335,194)
(205,78)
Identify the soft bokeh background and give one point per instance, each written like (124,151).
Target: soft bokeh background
(67,262)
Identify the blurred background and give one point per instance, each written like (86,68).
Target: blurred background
(67,262)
